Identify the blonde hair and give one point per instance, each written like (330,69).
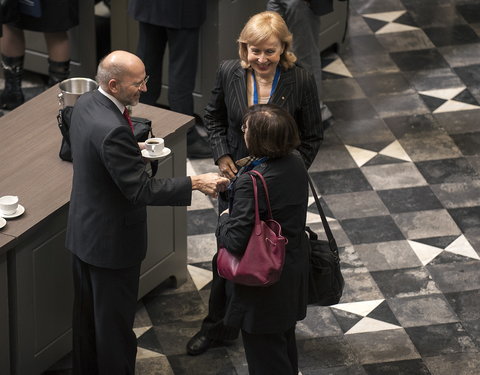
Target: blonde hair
(260,28)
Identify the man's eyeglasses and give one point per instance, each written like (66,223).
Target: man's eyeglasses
(141,83)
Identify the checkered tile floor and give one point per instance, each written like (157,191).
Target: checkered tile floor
(399,175)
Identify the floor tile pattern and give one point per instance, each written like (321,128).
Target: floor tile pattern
(399,175)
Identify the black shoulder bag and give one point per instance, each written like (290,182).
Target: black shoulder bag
(142,129)
(325,280)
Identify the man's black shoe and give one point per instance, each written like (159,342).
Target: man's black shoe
(198,149)
(198,344)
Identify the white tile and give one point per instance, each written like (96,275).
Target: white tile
(461,246)
(371,325)
(426,253)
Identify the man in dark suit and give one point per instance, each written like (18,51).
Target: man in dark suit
(178,24)
(107,227)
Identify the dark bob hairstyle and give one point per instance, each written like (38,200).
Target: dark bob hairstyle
(270,131)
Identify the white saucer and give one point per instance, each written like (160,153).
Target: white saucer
(20,211)
(3,222)
(165,152)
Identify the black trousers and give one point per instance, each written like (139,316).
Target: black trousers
(272,353)
(182,64)
(103,315)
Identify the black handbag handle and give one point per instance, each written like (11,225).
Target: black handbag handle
(328,232)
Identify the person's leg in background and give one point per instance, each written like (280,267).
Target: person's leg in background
(13,53)
(152,41)
(58,46)
(182,71)
(305,27)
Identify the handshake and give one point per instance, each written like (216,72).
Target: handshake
(209,183)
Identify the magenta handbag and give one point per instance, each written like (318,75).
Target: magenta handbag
(262,262)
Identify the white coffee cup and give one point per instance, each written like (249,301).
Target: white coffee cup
(8,204)
(154,146)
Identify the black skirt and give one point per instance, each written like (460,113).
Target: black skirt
(56,15)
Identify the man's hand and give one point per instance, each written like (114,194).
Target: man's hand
(210,183)
(227,167)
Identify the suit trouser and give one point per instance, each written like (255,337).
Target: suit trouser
(182,64)
(272,353)
(103,315)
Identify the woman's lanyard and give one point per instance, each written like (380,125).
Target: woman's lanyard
(274,85)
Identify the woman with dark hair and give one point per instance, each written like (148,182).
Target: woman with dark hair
(264,73)
(267,316)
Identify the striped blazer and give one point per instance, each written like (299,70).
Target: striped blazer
(296,92)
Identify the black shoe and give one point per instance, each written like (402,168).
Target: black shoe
(198,344)
(198,149)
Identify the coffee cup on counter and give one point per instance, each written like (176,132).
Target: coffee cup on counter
(154,146)
(8,204)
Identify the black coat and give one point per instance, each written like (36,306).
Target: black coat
(275,308)
(175,14)
(296,92)
(107,224)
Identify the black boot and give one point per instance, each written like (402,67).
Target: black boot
(58,71)
(12,95)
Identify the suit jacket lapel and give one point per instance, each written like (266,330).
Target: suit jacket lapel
(240,88)
(285,88)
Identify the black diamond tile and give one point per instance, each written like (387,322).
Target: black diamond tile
(470,75)
(149,340)
(382,84)
(466,217)
(403,125)
(431,102)
(405,282)
(410,199)
(382,159)
(465,304)
(419,60)
(325,352)
(374,24)
(441,339)
(466,97)
(447,170)
(340,181)
(356,109)
(440,242)
(371,229)
(346,320)
(470,11)
(384,313)
(452,35)
(410,367)
(468,143)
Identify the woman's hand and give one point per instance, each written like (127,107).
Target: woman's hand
(227,167)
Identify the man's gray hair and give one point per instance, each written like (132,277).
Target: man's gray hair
(106,73)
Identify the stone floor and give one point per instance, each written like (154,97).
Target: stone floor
(399,175)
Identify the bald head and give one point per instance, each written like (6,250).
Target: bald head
(118,65)
(122,75)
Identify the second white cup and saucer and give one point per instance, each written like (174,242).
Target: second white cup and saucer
(155,149)
(3,222)
(10,208)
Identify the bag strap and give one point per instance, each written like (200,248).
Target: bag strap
(259,175)
(328,232)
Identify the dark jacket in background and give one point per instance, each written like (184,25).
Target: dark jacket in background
(276,308)
(176,14)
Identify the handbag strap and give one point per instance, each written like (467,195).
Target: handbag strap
(267,197)
(328,232)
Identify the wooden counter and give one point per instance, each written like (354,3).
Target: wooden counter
(39,294)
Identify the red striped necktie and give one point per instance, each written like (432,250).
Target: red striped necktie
(127,117)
